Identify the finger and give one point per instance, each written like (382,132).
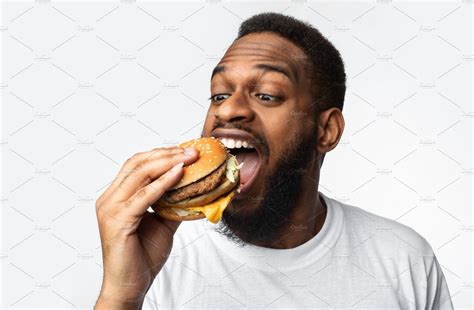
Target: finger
(138,204)
(147,171)
(132,162)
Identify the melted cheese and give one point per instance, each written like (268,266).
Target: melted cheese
(214,210)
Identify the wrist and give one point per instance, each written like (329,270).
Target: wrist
(105,301)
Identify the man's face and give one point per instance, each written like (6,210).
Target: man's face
(274,109)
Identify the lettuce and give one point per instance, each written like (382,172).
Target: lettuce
(232,166)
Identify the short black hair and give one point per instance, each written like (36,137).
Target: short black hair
(326,66)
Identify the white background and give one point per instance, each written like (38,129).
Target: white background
(86,84)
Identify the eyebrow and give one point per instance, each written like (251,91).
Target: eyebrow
(262,66)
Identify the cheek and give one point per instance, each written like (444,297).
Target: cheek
(280,131)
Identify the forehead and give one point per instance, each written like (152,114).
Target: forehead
(264,44)
(266,47)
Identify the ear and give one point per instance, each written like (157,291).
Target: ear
(330,128)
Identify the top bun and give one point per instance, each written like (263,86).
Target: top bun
(212,154)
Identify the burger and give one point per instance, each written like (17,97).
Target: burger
(207,186)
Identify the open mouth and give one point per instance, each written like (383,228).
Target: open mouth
(248,156)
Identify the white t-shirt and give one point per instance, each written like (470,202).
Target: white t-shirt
(357,260)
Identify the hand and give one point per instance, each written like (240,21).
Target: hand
(135,242)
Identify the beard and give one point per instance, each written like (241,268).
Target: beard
(265,225)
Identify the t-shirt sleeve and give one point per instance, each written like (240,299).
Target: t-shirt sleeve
(438,296)
(421,282)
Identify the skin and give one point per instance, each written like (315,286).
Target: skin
(244,95)
(136,243)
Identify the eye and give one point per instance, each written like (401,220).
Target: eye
(218,97)
(266,97)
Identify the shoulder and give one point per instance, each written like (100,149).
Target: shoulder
(369,231)
(394,254)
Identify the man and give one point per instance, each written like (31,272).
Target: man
(280,243)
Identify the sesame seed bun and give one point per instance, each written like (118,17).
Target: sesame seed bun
(212,154)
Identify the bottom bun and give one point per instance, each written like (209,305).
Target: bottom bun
(170,214)
(212,211)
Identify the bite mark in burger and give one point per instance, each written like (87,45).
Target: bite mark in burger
(207,186)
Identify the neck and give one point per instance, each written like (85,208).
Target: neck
(304,223)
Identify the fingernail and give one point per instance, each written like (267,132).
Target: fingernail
(177,167)
(189,151)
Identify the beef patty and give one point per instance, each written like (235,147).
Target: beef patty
(199,187)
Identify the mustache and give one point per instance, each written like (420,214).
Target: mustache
(241,126)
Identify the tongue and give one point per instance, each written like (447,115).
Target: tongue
(250,160)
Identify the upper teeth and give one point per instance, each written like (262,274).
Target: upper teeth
(234,143)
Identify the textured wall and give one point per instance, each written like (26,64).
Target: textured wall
(86,85)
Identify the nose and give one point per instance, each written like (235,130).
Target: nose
(235,108)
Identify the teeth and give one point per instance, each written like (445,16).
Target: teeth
(233,143)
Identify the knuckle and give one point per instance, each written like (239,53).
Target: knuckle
(159,153)
(162,180)
(137,156)
(158,150)
(102,210)
(105,217)
(98,204)
(146,179)
(169,150)
(133,159)
(142,192)
(124,180)
(100,214)
(141,171)
(127,204)
(139,167)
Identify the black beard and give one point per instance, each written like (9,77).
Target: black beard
(264,226)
